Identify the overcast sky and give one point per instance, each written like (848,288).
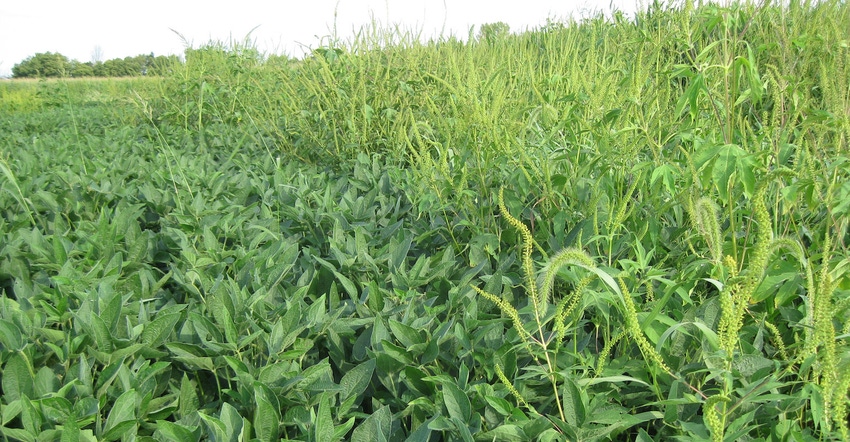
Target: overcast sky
(121,28)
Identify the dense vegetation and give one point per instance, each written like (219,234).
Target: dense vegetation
(54,65)
(613,229)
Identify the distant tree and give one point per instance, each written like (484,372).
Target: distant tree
(492,32)
(163,65)
(43,64)
(97,55)
(98,69)
(135,66)
(77,69)
(57,65)
(110,68)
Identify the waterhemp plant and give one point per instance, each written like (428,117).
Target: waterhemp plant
(727,387)
(548,329)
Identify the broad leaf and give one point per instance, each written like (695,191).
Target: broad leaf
(266,419)
(122,416)
(356,380)
(17,378)
(10,336)
(176,432)
(376,427)
(457,402)
(324,425)
(158,330)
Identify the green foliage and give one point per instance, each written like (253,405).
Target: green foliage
(613,229)
(492,32)
(40,65)
(50,65)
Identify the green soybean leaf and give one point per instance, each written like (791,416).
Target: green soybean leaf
(399,252)
(31,417)
(101,334)
(18,434)
(501,406)
(375,299)
(407,335)
(17,378)
(324,425)
(122,416)
(376,427)
(457,402)
(347,284)
(46,382)
(71,430)
(120,429)
(10,411)
(232,422)
(413,376)
(356,380)
(111,310)
(10,336)
(158,330)
(216,430)
(176,432)
(463,428)
(230,332)
(266,419)
(107,376)
(506,433)
(19,196)
(340,431)
(187,401)
(422,433)
(399,354)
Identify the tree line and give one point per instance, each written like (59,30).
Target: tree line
(55,65)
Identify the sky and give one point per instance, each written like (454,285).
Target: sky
(80,29)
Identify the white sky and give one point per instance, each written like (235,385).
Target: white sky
(127,28)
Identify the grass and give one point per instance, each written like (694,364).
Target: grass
(608,229)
